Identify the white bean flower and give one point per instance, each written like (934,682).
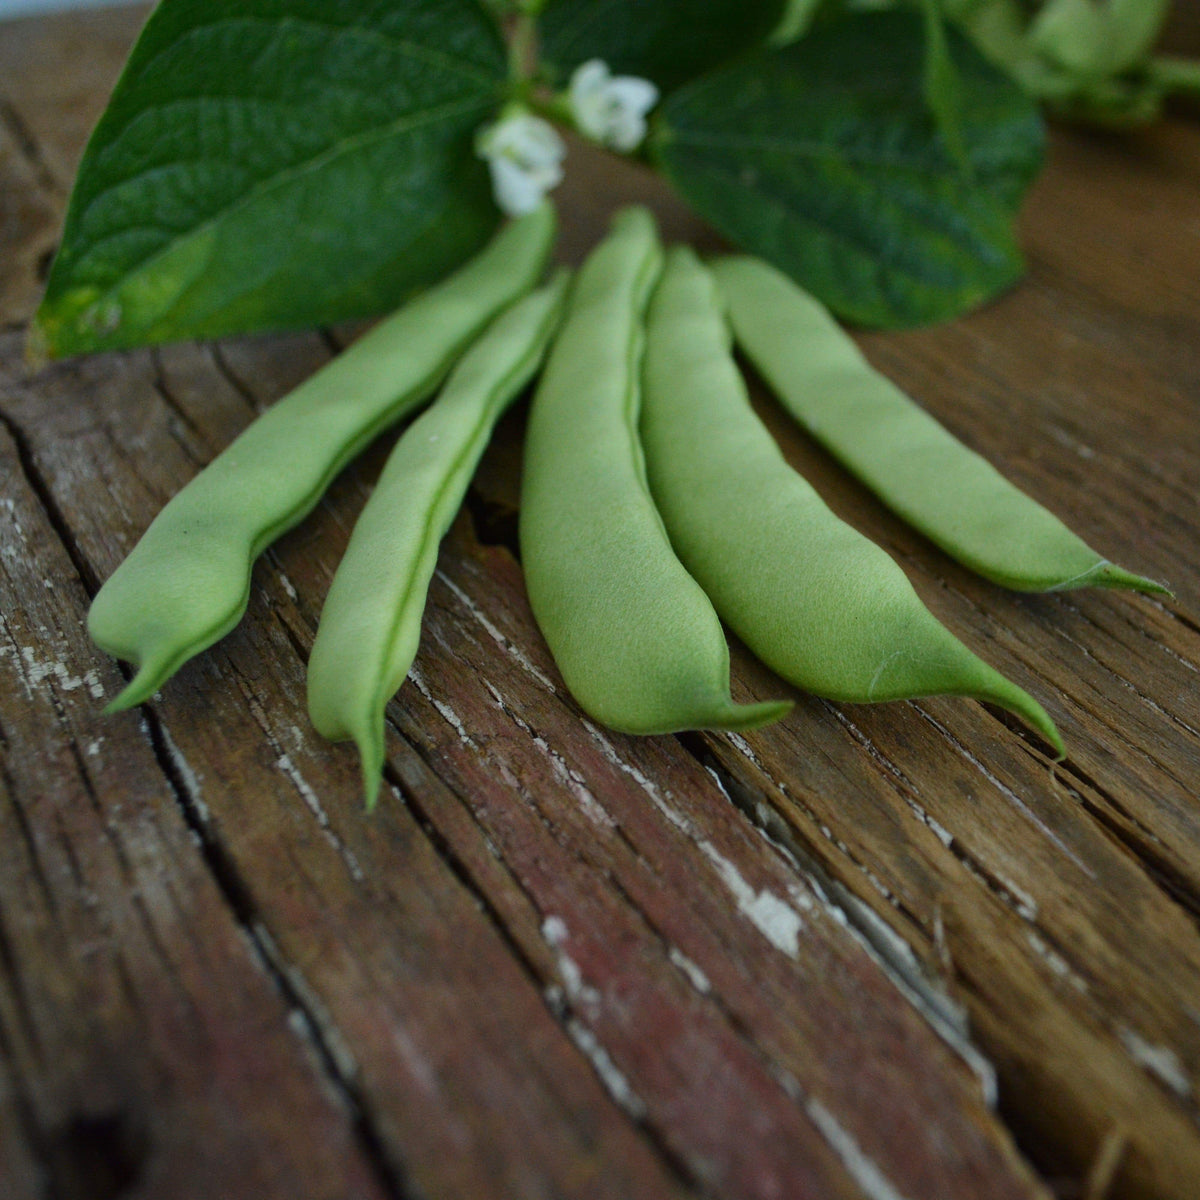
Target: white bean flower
(524,154)
(611,109)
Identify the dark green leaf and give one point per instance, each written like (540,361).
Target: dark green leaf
(668,41)
(823,157)
(267,164)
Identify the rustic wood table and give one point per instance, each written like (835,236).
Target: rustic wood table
(873,952)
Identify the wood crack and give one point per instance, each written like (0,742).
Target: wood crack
(231,377)
(164,392)
(389,1175)
(754,805)
(27,836)
(1176,614)
(964,753)
(1132,837)
(786,1082)
(46,498)
(283,763)
(864,922)
(26,143)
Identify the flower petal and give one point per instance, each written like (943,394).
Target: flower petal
(611,111)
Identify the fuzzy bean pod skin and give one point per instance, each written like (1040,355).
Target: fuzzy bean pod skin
(912,463)
(187,582)
(819,603)
(371,623)
(636,640)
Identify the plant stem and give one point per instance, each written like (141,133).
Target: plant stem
(1176,74)
(522,49)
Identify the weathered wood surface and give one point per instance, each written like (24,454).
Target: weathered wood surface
(869,952)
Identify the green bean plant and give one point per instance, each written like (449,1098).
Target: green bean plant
(1088,60)
(279,164)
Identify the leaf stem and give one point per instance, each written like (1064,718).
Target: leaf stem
(522,49)
(1175,74)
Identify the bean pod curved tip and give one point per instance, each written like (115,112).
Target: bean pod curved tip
(737,718)
(138,690)
(372,772)
(1107,574)
(1016,700)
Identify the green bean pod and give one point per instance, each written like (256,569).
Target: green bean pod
(187,582)
(912,463)
(636,640)
(371,623)
(820,604)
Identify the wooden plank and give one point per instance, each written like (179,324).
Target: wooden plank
(21,1175)
(134,1015)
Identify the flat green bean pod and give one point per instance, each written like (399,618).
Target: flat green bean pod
(371,622)
(634,636)
(186,583)
(819,603)
(913,464)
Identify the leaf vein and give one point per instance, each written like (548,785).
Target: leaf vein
(873,254)
(405,124)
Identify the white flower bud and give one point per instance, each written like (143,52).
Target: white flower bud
(524,154)
(611,109)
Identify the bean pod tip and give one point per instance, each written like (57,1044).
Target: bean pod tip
(1107,574)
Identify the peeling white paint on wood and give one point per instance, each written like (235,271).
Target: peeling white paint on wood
(1056,962)
(772,916)
(514,652)
(444,710)
(36,671)
(648,786)
(864,1170)
(579,993)
(614,1081)
(313,801)
(886,948)
(571,779)
(1161,1061)
(695,976)
(574,783)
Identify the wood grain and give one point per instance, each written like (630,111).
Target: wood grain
(870,952)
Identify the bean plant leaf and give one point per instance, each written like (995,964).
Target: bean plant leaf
(668,41)
(269,164)
(823,157)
